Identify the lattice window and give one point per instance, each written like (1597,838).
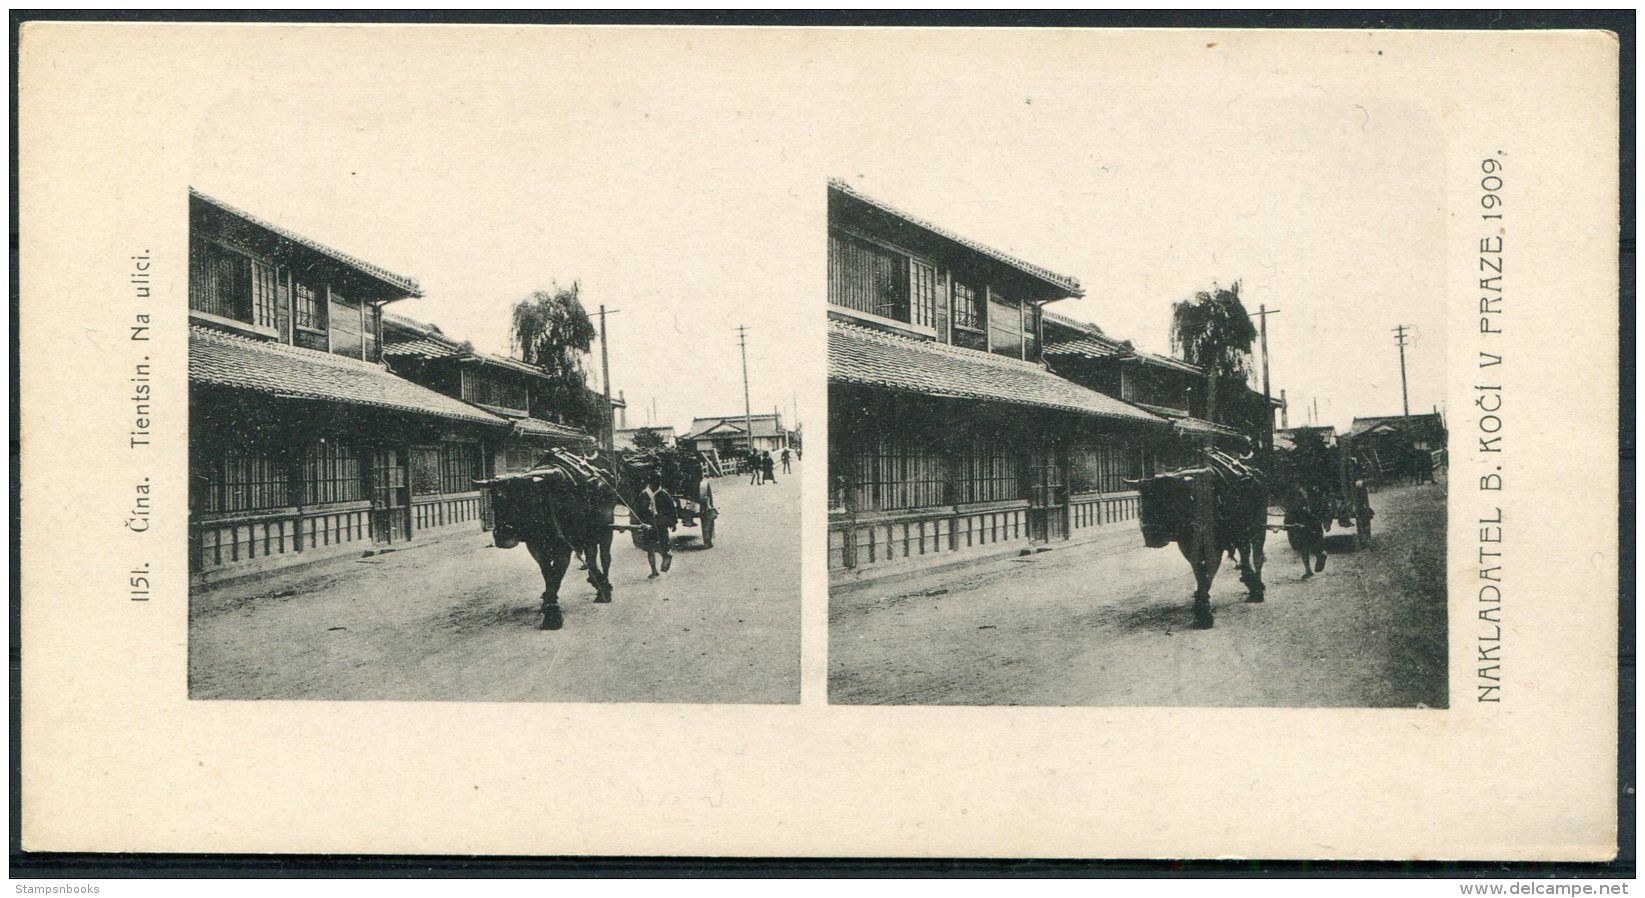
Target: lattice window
(893,473)
(219,280)
(967,312)
(1117,463)
(922,293)
(868,277)
(331,473)
(265,294)
(989,472)
(425,470)
(242,479)
(460,467)
(309,307)
(487,389)
(518,457)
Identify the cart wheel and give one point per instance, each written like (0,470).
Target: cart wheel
(708,529)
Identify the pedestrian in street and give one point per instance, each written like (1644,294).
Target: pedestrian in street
(661,517)
(753,467)
(1363,513)
(708,511)
(786,455)
(1305,527)
(768,468)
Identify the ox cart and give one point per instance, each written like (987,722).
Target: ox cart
(1332,479)
(681,472)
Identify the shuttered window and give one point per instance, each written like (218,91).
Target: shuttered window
(347,336)
(1004,326)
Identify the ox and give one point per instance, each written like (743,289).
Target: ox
(561,506)
(1206,511)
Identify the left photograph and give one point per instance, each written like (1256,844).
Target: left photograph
(402,492)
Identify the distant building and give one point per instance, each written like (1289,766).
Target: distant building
(302,443)
(1388,444)
(624,438)
(948,435)
(1286,437)
(728,434)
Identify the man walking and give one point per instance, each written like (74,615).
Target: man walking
(661,517)
(786,455)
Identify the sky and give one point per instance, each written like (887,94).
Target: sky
(679,179)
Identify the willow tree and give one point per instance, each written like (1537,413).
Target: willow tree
(1214,332)
(551,330)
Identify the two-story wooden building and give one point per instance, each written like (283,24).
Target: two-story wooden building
(302,443)
(1168,387)
(948,435)
(508,388)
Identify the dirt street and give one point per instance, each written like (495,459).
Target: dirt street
(1107,623)
(456,619)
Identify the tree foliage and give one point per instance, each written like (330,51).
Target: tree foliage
(649,438)
(1214,332)
(551,330)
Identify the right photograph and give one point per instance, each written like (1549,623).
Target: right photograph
(1069,466)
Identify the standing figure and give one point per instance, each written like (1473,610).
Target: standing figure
(753,467)
(1305,515)
(768,468)
(707,510)
(661,517)
(786,455)
(1363,512)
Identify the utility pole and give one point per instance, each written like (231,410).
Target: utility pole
(1404,394)
(748,409)
(605,380)
(1284,411)
(1267,398)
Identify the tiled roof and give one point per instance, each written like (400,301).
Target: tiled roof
(1084,347)
(1074,324)
(1421,420)
(1060,281)
(1088,341)
(765,425)
(287,372)
(408,338)
(537,427)
(858,355)
(400,282)
(1188,424)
